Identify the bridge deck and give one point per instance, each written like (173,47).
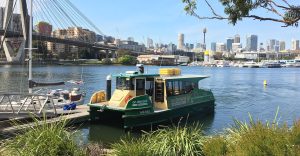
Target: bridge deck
(60,40)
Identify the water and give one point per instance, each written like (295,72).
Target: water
(238,91)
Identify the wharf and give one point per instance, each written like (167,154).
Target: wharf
(79,115)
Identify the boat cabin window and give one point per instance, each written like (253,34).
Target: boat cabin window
(180,87)
(159,92)
(150,86)
(140,87)
(124,83)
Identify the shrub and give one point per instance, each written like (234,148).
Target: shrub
(106,61)
(127,60)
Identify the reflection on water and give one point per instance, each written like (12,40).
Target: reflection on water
(238,91)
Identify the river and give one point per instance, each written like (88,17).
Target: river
(238,92)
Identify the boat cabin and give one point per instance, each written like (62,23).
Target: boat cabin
(143,99)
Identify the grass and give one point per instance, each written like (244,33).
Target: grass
(183,141)
(255,138)
(46,139)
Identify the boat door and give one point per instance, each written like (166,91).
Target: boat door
(140,86)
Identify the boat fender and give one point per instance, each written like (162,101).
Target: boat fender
(127,98)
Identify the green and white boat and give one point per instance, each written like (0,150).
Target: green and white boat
(145,99)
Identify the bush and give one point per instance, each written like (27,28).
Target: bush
(106,61)
(46,139)
(127,60)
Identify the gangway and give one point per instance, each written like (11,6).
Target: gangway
(22,105)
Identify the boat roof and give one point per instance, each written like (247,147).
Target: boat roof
(126,75)
(164,77)
(181,77)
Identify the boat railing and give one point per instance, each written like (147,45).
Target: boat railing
(18,103)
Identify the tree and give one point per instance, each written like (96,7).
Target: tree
(281,11)
(127,60)
(123,52)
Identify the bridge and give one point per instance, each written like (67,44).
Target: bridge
(40,37)
(62,14)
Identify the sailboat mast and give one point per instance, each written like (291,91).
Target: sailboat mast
(30,49)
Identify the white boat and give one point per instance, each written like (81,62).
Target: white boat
(271,64)
(250,64)
(223,64)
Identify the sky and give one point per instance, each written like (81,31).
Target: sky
(162,20)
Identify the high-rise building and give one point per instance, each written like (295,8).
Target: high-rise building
(171,48)
(43,28)
(237,38)
(150,43)
(282,45)
(229,42)
(295,45)
(236,47)
(187,46)
(271,44)
(251,44)
(181,41)
(261,47)
(192,46)
(79,33)
(221,47)
(213,46)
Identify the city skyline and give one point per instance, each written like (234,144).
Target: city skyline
(132,19)
(163,20)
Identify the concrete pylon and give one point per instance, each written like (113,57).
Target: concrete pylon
(9,52)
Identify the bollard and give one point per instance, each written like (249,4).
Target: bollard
(108,87)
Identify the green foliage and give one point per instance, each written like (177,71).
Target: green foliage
(45,139)
(123,52)
(236,10)
(132,146)
(184,141)
(216,145)
(127,60)
(106,61)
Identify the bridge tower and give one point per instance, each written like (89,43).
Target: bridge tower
(7,47)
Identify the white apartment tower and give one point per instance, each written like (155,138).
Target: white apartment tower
(181,41)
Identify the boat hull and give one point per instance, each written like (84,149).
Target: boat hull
(101,115)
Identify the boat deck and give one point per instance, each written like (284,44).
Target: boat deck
(106,103)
